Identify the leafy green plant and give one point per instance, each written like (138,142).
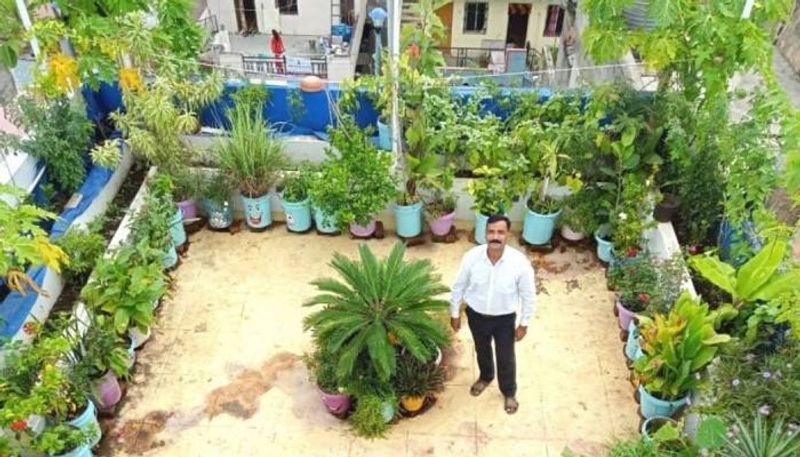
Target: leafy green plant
(491,191)
(353,186)
(252,156)
(217,188)
(322,364)
(759,438)
(23,243)
(294,186)
(416,378)
(676,347)
(151,223)
(368,419)
(376,299)
(126,286)
(58,134)
(647,284)
(83,247)
(254,96)
(60,439)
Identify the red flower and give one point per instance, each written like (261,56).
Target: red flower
(19,426)
(30,328)
(633,252)
(413,50)
(644,298)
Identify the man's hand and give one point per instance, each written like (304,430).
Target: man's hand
(521,332)
(455,323)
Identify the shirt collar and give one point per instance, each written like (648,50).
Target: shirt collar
(502,256)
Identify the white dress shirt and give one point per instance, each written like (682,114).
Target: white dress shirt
(496,289)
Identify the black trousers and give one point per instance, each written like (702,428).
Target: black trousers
(484,329)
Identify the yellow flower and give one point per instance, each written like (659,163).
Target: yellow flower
(65,72)
(130,79)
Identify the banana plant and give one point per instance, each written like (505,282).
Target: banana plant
(761,280)
(677,346)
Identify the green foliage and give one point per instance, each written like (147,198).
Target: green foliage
(416,378)
(252,156)
(368,420)
(677,346)
(355,184)
(294,186)
(217,188)
(126,287)
(376,299)
(83,247)
(254,96)
(151,223)
(322,364)
(61,439)
(58,134)
(23,243)
(647,284)
(760,438)
(492,192)
(743,382)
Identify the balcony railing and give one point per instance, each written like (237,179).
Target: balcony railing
(481,58)
(272,66)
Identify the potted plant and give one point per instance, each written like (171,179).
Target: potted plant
(322,364)
(354,185)
(157,223)
(24,244)
(492,194)
(63,440)
(359,322)
(676,347)
(126,286)
(252,157)
(295,200)
(217,190)
(105,359)
(417,380)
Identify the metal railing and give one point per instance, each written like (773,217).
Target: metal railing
(480,58)
(273,66)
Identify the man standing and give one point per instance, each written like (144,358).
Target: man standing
(493,281)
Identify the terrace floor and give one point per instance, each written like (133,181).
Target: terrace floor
(223,375)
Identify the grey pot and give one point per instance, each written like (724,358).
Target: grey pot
(638,17)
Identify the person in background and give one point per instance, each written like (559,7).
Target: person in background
(495,281)
(276,45)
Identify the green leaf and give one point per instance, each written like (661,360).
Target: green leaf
(779,286)
(758,270)
(715,270)
(711,433)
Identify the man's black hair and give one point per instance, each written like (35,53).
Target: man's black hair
(497,218)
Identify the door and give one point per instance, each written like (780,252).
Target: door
(445,13)
(518,15)
(246,16)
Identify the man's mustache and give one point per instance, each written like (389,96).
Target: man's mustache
(495,241)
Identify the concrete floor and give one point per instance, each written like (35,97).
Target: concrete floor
(222,373)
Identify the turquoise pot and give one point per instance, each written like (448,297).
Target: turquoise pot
(538,228)
(388,412)
(87,422)
(219,216)
(83,451)
(604,249)
(409,220)
(176,228)
(384,136)
(651,406)
(258,211)
(170,257)
(322,226)
(480,228)
(633,350)
(298,215)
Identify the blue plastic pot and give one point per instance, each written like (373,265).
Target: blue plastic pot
(729,237)
(220,216)
(480,228)
(87,422)
(170,257)
(633,350)
(384,136)
(388,411)
(83,451)
(604,249)
(538,228)
(651,406)
(298,215)
(258,211)
(409,220)
(176,228)
(324,226)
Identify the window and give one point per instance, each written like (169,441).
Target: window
(475,17)
(286,6)
(555,20)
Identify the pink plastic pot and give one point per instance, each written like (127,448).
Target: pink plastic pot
(362,231)
(442,225)
(336,404)
(625,317)
(106,390)
(188,209)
